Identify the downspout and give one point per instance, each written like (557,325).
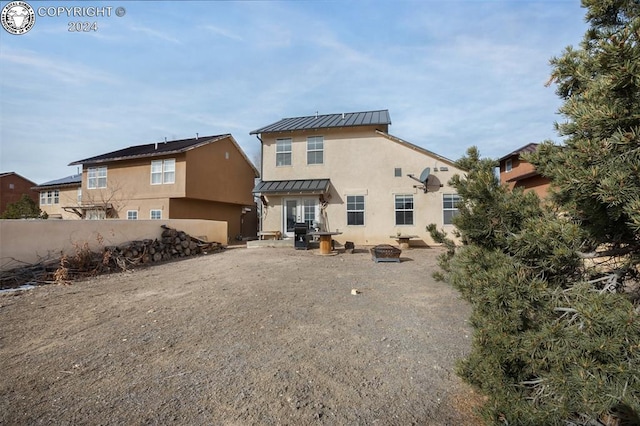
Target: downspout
(262,206)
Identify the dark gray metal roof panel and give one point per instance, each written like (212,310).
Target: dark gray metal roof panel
(301,186)
(69,180)
(152,149)
(350,119)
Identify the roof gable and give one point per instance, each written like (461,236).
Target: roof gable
(151,150)
(7,174)
(419,149)
(528,148)
(350,119)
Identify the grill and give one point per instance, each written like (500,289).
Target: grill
(301,238)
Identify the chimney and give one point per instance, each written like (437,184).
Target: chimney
(156,146)
(196,135)
(165,139)
(316,114)
(343,115)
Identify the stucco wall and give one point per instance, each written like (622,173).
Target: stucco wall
(219,172)
(129,182)
(29,241)
(362,162)
(68,197)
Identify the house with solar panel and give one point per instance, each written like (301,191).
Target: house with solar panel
(206,177)
(346,174)
(59,197)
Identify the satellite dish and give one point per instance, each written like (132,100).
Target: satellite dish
(424,176)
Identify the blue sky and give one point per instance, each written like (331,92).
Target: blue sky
(451,73)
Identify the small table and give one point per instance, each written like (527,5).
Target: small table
(325,241)
(403,240)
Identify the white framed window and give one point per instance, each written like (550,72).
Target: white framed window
(315,150)
(96,177)
(156,214)
(50,197)
(355,209)
(163,171)
(450,207)
(404,209)
(96,215)
(283,152)
(132,214)
(508,165)
(79,195)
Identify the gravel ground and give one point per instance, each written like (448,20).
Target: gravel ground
(247,336)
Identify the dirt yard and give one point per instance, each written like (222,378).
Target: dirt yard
(244,337)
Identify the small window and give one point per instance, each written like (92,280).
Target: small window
(283,152)
(450,207)
(96,177)
(11,186)
(79,195)
(397,172)
(404,209)
(315,150)
(156,214)
(132,214)
(355,209)
(508,165)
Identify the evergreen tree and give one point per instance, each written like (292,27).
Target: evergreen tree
(24,208)
(554,285)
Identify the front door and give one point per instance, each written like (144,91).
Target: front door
(298,210)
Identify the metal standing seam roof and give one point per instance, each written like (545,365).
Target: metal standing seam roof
(350,119)
(302,186)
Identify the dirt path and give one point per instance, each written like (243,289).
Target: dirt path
(246,336)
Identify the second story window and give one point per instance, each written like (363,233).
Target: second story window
(508,165)
(49,197)
(96,177)
(315,150)
(283,152)
(163,171)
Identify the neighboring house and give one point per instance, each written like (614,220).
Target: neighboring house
(58,197)
(206,177)
(345,172)
(518,173)
(13,187)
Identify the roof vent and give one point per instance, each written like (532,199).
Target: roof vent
(316,114)
(156,145)
(343,115)
(196,135)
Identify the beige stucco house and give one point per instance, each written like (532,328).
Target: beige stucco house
(58,195)
(346,173)
(206,177)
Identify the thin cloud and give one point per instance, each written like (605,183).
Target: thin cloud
(222,32)
(62,70)
(155,34)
